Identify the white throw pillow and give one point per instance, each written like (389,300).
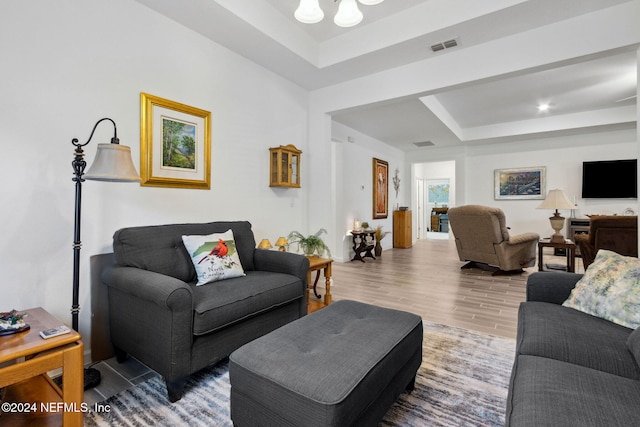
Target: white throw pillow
(214,256)
(610,289)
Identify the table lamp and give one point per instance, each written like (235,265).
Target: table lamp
(282,244)
(556,199)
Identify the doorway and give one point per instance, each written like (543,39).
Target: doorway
(435,193)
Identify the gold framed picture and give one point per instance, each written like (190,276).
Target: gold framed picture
(380,189)
(175,144)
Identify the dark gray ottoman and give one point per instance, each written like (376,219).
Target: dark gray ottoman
(343,365)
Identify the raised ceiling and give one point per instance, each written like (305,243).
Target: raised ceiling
(399,32)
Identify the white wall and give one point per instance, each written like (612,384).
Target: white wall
(68,63)
(355,175)
(561,155)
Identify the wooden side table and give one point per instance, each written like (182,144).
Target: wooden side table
(25,359)
(568,245)
(317,264)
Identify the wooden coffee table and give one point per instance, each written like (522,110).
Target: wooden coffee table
(25,359)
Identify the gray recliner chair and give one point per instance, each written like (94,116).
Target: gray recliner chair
(483,239)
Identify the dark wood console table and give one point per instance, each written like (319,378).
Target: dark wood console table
(567,245)
(363,242)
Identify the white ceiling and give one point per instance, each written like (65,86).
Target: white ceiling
(399,32)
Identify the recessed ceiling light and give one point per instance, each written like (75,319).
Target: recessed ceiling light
(543,107)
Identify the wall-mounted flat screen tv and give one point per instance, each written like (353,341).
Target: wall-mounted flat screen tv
(611,179)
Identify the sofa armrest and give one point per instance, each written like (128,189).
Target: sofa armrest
(165,291)
(551,286)
(281,262)
(151,318)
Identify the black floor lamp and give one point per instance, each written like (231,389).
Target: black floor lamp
(112,163)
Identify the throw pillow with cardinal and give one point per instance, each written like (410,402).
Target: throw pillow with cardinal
(214,257)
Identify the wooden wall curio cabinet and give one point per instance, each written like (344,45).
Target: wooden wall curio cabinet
(284,170)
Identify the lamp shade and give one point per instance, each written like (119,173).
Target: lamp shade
(309,12)
(281,241)
(348,14)
(113,163)
(556,199)
(370,2)
(265,244)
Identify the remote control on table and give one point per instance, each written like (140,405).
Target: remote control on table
(54,332)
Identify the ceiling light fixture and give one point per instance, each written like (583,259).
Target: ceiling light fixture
(309,12)
(543,107)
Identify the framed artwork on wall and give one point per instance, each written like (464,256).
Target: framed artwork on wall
(521,183)
(175,144)
(380,189)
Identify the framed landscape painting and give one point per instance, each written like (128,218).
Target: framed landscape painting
(522,183)
(380,189)
(175,144)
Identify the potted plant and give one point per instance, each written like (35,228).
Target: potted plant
(379,235)
(309,244)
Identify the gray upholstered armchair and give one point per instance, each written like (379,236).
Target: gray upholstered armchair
(483,239)
(158,315)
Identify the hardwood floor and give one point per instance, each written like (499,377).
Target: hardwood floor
(427,280)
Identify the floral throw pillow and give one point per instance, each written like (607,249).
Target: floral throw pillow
(214,257)
(610,289)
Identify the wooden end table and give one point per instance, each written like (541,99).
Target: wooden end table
(25,359)
(567,244)
(317,264)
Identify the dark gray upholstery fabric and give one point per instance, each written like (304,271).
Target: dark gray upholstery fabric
(633,344)
(547,392)
(551,286)
(280,262)
(571,368)
(220,344)
(561,333)
(159,316)
(160,248)
(220,304)
(327,368)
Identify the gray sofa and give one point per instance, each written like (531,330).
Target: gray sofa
(571,368)
(159,316)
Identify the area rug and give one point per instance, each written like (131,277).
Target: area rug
(462,381)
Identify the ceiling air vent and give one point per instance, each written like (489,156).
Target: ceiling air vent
(423,144)
(444,45)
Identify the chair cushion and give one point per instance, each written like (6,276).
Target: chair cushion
(547,392)
(561,333)
(226,302)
